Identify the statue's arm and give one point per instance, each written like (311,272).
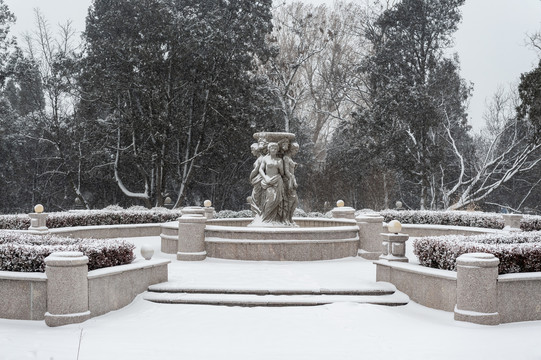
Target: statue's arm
(281,167)
(262,167)
(286,164)
(255,171)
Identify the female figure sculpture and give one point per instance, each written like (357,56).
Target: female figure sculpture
(271,170)
(255,180)
(291,185)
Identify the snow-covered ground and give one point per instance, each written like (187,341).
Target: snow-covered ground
(145,330)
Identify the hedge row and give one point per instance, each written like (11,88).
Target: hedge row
(114,215)
(26,253)
(135,215)
(458,218)
(231,214)
(517,251)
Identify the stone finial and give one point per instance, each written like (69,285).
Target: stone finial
(209,210)
(147,251)
(38,221)
(394,226)
(393,247)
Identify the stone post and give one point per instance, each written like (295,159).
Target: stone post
(209,213)
(512,222)
(393,247)
(476,289)
(370,226)
(191,234)
(343,212)
(38,223)
(168,203)
(67,288)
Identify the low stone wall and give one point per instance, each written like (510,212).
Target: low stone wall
(429,287)
(24,295)
(115,287)
(109,231)
(517,296)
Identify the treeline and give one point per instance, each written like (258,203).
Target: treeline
(160,98)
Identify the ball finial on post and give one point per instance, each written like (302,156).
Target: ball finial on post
(394,226)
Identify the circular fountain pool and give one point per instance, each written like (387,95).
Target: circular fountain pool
(313,239)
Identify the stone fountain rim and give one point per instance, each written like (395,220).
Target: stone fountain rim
(283,230)
(211,225)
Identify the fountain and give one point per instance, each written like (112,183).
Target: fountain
(273,233)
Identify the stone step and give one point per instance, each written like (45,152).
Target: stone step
(366,289)
(250,300)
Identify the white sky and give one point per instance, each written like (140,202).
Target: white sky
(490,41)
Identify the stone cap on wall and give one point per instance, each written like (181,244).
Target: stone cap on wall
(66,258)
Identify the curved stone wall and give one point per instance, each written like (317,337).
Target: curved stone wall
(313,239)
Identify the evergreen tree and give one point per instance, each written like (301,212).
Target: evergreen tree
(415,97)
(172,82)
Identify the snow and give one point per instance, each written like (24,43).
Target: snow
(146,330)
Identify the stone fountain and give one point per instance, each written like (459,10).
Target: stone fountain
(273,233)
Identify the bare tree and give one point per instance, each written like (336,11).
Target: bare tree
(534,41)
(504,152)
(315,73)
(55,120)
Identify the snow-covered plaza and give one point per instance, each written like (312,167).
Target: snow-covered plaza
(146,330)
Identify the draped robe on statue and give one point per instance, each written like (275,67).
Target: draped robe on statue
(272,209)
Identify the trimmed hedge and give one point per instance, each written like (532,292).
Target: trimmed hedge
(26,253)
(530,223)
(115,215)
(458,218)
(231,214)
(517,251)
(93,217)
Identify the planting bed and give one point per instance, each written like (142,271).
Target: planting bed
(517,251)
(26,253)
(458,218)
(135,215)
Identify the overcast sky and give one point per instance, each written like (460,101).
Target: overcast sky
(490,41)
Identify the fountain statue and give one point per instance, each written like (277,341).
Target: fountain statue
(274,194)
(271,234)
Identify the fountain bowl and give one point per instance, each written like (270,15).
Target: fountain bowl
(313,239)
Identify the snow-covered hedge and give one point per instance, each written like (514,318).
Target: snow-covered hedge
(530,223)
(26,253)
(136,215)
(458,218)
(517,251)
(115,215)
(230,214)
